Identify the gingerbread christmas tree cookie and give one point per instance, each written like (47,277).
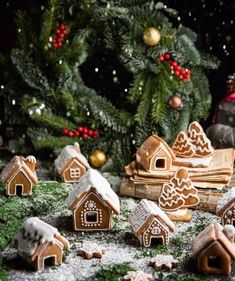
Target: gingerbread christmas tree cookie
(182,146)
(177,195)
(198,138)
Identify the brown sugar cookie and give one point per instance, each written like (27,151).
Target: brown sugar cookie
(198,138)
(170,199)
(164,262)
(137,276)
(182,146)
(184,186)
(91,251)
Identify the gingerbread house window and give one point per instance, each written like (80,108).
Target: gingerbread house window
(19,189)
(160,163)
(75,173)
(91,217)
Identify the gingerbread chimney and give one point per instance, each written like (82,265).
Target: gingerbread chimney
(30,161)
(229,231)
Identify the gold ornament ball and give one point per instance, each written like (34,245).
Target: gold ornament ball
(151,36)
(97,158)
(175,102)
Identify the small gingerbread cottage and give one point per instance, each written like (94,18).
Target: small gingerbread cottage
(20,175)
(155,154)
(226,207)
(39,243)
(71,164)
(92,202)
(150,224)
(214,249)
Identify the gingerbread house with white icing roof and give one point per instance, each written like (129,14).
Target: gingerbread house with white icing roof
(92,202)
(155,154)
(39,243)
(150,224)
(226,207)
(20,175)
(71,164)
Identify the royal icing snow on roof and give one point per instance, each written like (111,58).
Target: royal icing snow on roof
(93,179)
(34,232)
(142,212)
(67,153)
(31,159)
(225,200)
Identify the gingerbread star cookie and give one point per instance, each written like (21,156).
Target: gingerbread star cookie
(182,146)
(184,186)
(91,251)
(164,262)
(198,138)
(137,276)
(170,199)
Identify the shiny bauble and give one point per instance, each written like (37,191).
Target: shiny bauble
(175,102)
(97,158)
(151,36)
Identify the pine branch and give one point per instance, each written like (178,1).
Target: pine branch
(136,87)
(28,71)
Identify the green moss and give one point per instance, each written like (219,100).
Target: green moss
(113,273)
(176,277)
(3,276)
(151,252)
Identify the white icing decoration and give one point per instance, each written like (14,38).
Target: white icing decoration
(179,213)
(31,159)
(195,161)
(93,179)
(227,197)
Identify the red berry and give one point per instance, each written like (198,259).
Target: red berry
(161,58)
(70,134)
(62,26)
(56,45)
(85,130)
(167,56)
(57,31)
(59,44)
(177,73)
(65,131)
(84,136)
(90,133)
(182,71)
(80,129)
(65,32)
(174,64)
(181,77)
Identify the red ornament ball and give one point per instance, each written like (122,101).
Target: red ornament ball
(65,131)
(175,102)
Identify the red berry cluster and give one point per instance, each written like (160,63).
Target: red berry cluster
(59,35)
(82,132)
(182,73)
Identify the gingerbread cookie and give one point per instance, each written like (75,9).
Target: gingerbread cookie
(198,138)
(164,262)
(170,199)
(91,251)
(182,146)
(184,186)
(137,276)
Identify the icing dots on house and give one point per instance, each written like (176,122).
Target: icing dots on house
(92,202)
(71,164)
(150,224)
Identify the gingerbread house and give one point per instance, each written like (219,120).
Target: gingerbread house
(155,154)
(226,207)
(39,243)
(20,175)
(150,224)
(71,164)
(214,249)
(92,202)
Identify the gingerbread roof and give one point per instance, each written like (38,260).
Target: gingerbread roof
(144,211)
(212,233)
(153,143)
(92,179)
(67,153)
(18,163)
(225,202)
(34,234)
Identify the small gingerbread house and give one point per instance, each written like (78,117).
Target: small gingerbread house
(214,249)
(39,243)
(150,224)
(226,207)
(92,202)
(155,154)
(71,164)
(20,175)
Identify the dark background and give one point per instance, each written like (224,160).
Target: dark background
(212,20)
